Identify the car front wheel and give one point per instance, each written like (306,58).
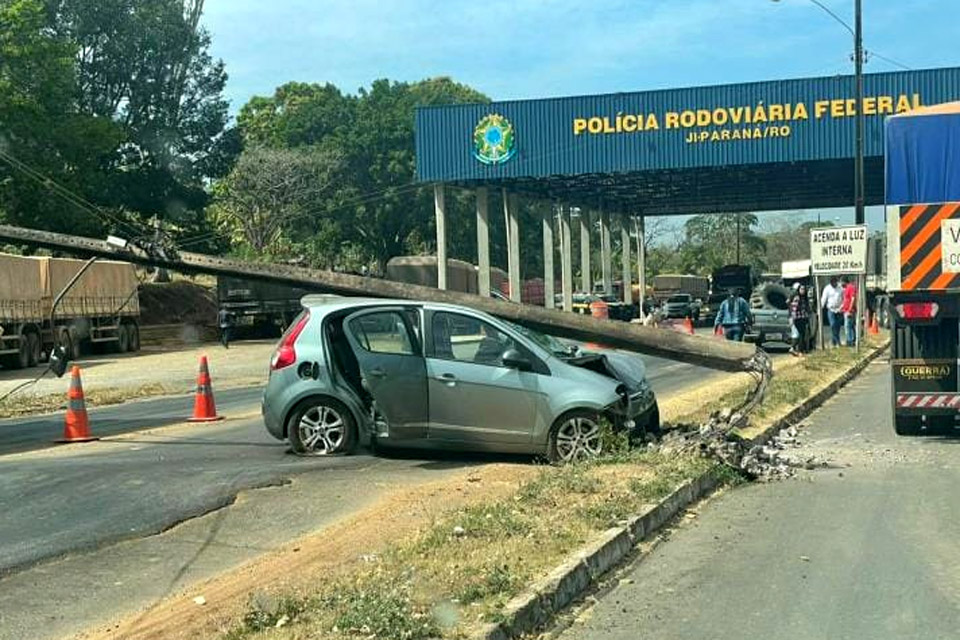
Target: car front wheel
(575,436)
(321,426)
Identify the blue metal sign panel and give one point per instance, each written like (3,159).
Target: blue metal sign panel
(800,120)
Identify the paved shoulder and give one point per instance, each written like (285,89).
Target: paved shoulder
(866,548)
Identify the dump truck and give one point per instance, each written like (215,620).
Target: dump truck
(100,310)
(923,271)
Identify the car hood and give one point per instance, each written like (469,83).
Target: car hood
(628,368)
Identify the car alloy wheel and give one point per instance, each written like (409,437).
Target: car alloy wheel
(576,438)
(322,430)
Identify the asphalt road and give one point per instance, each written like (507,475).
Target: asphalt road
(36,432)
(865,548)
(96,507)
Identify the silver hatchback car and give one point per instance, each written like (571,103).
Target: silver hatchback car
(352,371)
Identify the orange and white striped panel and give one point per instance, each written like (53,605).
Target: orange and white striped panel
(928,400)
(920,247)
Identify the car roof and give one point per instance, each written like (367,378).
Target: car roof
(327,303)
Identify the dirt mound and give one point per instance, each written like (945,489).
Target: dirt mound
(177,302)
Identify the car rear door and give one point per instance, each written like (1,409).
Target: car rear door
(392,366)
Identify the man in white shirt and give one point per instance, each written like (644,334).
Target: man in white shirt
(832,299)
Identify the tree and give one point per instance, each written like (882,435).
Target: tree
(377,209)
(267,189)
(713,240)
(47,148)
(145,65)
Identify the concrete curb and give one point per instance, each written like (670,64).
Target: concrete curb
(555,591)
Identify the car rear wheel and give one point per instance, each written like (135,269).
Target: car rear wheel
(575,436)
(321,426)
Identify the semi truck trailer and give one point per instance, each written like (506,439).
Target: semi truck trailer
(100,310)
(923,272)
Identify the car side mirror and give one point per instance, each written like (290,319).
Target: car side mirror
(516,360)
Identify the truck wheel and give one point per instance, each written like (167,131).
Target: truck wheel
(75,349)
(21,359)
(133,340)
(33,345)
(123,339)
(906,425)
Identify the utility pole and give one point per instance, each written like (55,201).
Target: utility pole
(858,73)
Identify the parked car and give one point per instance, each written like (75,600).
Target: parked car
(681,305)
(354,371)
(769,310)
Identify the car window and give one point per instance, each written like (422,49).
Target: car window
(382,332)
(466,339)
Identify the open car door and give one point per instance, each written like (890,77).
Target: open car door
(392,367)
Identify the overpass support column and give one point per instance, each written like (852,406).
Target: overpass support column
(625,259)
(511,214)
(483,244)
(440,209)
(605,254)
(641,261)
(547,225)
(585,284)
(566,260)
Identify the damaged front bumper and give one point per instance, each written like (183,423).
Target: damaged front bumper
(635,412)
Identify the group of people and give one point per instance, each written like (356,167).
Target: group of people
(839,299)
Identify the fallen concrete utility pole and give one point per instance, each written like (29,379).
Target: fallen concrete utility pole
(717,354)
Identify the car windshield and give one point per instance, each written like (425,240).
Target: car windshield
(555,346)
(681,298)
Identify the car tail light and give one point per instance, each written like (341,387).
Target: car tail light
(918,310)
(286,355)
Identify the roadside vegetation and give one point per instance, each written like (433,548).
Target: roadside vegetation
(26,404)
(793,382)
(462,569)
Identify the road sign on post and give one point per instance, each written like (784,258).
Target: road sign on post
(841,250)
(838,250)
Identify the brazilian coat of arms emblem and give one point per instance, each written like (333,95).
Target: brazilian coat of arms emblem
(493,140)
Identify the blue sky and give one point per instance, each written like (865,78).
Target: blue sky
(537,48)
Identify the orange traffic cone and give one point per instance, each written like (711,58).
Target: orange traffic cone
(204,408)
(76,425)
(874,328)
(688,325)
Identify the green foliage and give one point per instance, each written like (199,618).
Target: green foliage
(710,242)
(376,209)
(381,609)
(117,102)
(491,581)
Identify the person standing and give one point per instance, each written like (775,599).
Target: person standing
(832,300)
(849,309)
(800,320)
(225,321)
(733,316)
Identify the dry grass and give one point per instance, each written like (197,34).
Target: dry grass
(461,570)
(794,381)
(21,405)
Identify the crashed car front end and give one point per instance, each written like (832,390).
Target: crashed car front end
(636,407)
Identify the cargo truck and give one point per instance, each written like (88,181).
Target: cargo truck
(923,272)
(100,310)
